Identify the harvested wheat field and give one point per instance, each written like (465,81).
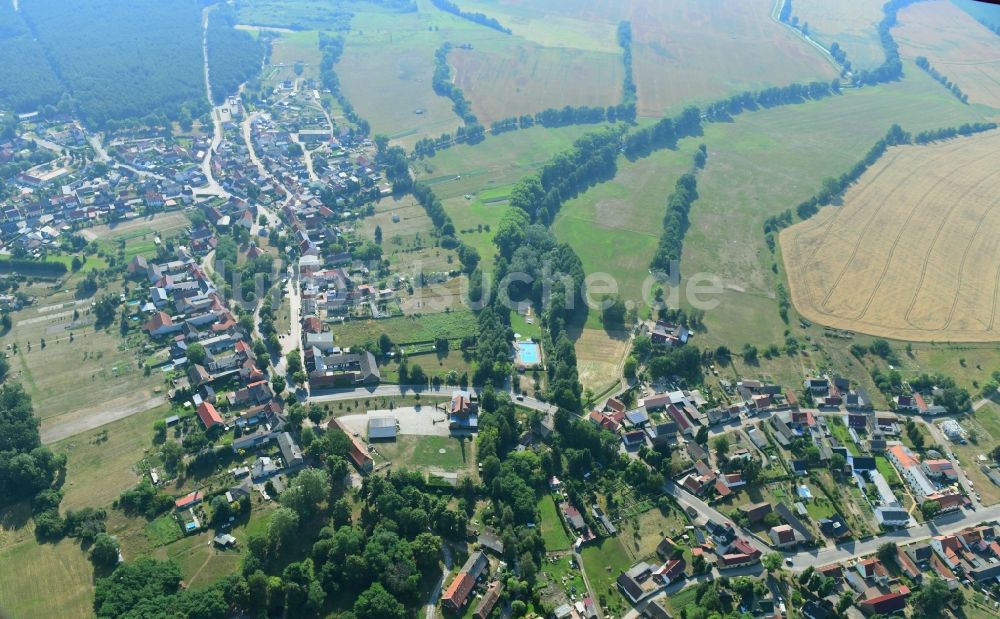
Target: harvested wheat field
(956,45)
(912,254)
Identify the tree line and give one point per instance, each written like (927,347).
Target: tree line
(663,134)
(478,18)
(748,100)
(444,87)
(675,221)
(332,47)
(591,160)
(629,97)
(398,173)
(834,187)
(891,68)
(234,56)
(947,133)
(925,64)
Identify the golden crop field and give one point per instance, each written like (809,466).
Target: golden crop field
(955,44)
(911,253)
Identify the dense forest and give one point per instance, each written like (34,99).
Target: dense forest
(121,61)
(26,79)
(234,56)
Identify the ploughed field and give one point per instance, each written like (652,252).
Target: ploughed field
(912,253)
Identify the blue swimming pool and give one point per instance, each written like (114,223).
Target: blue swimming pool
(528,353)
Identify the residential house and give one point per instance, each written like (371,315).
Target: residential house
(209,416)
(291,453)
(188,500)
(756,512)
(782,536)
(873,571)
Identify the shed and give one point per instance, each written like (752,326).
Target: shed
(382,427)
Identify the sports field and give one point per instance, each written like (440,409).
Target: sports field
(955,44)
(911,254)
(852,24)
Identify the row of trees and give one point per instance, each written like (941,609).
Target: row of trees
(591,160)
(629,97)
(891,68)
(924,64)
(675,221)
(398,173)
(465,134)
(664,133)
(947,133)
(443,86)
(479,18)
(725,109)
(332,47)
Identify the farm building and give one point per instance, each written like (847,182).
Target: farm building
(382,428)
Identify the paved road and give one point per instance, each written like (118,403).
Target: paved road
(943,525)
(213,187)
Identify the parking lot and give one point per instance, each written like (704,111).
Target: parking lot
(424,420)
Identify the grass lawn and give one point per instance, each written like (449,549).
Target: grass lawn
(403,330)
(887,470)
(424,452)
(96,371)
(164,530)
(553,531)
(101,463)
(45,580)
(604,563)
(839,431)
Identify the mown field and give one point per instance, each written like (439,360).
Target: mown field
(615,226)
(485,173)
(683,51)
(292,48)
(96,372)
(769,161)
(513,77)
(956,45)
(387,66)
(852,24)
(909,255)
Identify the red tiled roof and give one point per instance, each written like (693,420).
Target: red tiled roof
(458,591)
(208,415)
(188,499)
